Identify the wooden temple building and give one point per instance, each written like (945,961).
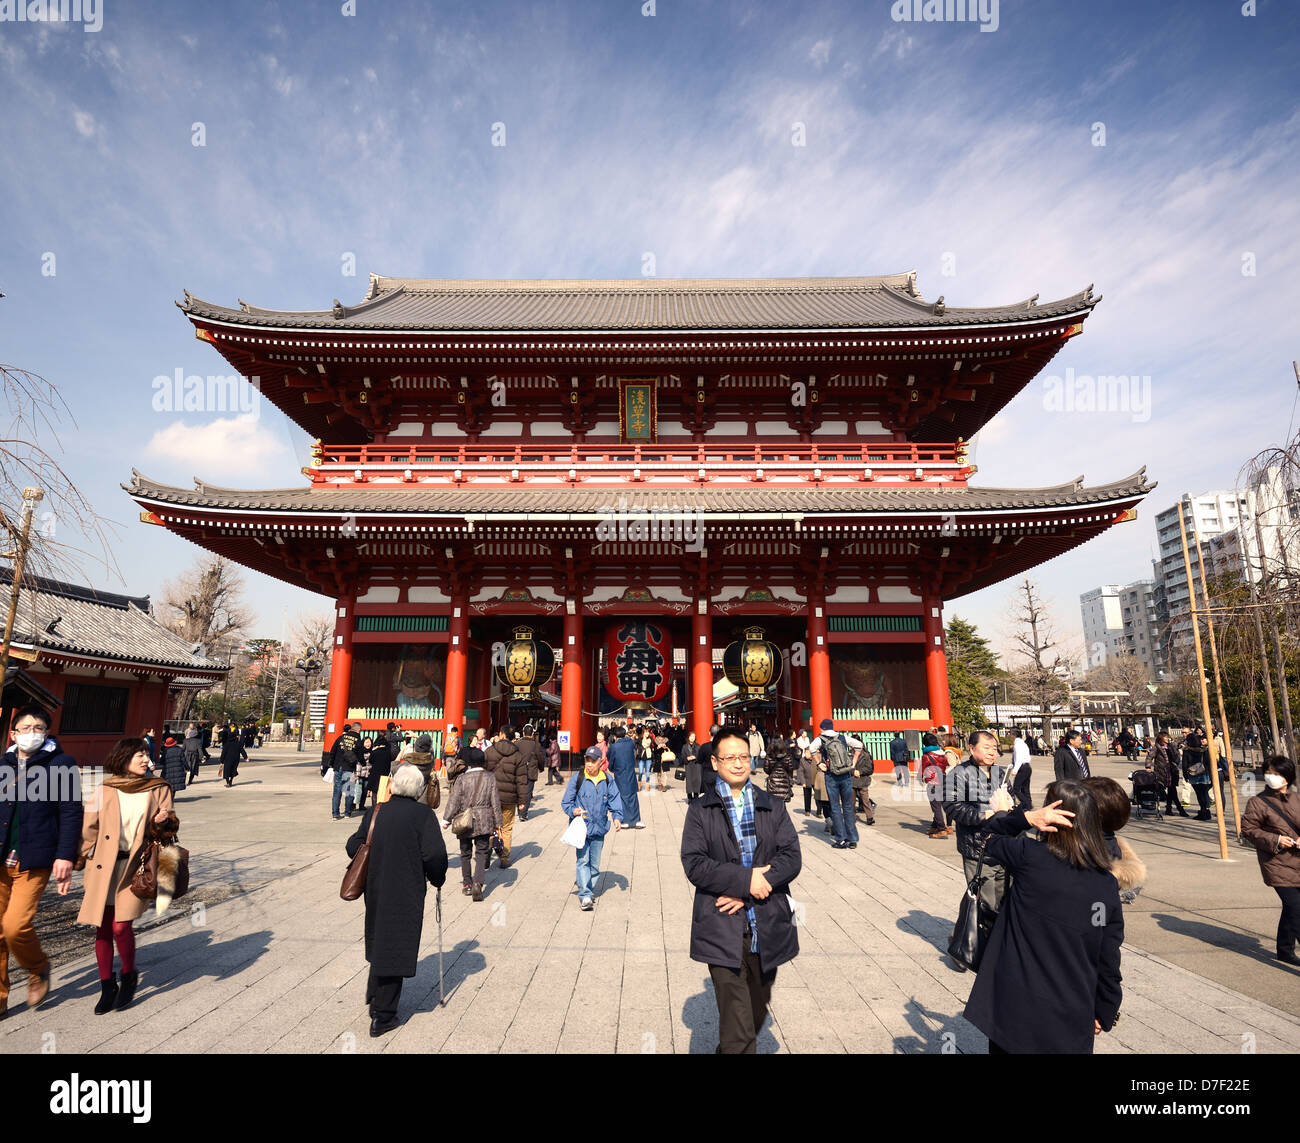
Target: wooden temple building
(639,473)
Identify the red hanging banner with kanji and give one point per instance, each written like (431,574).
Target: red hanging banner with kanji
(638,661)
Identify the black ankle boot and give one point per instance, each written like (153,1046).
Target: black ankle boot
(107,995)
(127,992)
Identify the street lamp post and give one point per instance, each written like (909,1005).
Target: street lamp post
(308,663)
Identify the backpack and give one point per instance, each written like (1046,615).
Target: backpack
(836,754)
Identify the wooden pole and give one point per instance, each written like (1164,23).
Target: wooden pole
(1289,750)
(31,496)
(1259,627)
(1205,695)
(1218,687)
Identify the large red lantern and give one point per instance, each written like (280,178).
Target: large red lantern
(638,661)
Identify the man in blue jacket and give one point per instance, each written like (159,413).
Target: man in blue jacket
(40,822)
(593,796)
(740,851)
(622,768)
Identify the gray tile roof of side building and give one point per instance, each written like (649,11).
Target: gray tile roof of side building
(513,501)
(78,620)
(437,305)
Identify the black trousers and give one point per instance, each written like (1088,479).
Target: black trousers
(936,807)
(1172,804)
(553,775)
(1288,924)
(382,994)
(807,799)
(474,847)
(1203,796)
(743,995)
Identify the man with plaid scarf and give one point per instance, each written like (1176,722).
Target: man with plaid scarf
(741,852)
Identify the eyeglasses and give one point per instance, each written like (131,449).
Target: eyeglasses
(733,757)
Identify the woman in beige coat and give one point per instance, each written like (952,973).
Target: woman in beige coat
(129,809)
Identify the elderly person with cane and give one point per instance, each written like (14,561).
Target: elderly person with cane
(406,854)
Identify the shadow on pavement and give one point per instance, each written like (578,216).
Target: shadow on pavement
(927,1041)
(196,951)
(459,964)
(1248,944)
(935,930)
(700,1015)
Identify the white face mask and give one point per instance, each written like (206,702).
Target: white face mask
(30,742)
(1274,781)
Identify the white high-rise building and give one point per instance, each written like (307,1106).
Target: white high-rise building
(1217,517)
(1103,626)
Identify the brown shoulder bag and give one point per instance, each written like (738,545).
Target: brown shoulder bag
(354,880)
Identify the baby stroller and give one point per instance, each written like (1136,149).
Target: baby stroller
(1146,794)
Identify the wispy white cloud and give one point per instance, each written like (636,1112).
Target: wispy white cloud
(820,52)
(239,448)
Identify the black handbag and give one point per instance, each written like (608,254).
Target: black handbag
(974,923)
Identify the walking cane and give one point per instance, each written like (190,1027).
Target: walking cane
(438,909)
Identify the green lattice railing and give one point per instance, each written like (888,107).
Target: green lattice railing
(873,623)
(401,623)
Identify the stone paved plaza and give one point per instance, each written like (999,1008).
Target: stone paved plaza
(278,965)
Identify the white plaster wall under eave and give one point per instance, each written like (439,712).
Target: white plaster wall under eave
(897,594)
(408,429)
(380,595)
(850,593)
(512,429)
(426,595)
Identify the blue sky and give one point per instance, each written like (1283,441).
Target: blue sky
(928,146)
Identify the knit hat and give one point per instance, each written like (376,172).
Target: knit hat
(473,756)
(826,724)
(423,744)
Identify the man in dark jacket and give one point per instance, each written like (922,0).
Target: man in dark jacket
(532,754)
(504,761)
(343,757)
(40,822)
(972,793)
(1069,761)
(741,852)
(901,758)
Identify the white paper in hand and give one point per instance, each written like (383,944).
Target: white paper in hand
(576,834)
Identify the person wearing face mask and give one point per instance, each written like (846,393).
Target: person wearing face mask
(1271,822)
(40,822)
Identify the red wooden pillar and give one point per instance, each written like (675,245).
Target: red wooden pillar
(336,702)
(936,665)
(701,660)
(339,670)
(453,711)
(819,661)
(571,688)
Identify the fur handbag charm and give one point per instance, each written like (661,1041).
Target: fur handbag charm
(173,874)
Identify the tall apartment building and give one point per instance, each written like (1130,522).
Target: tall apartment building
(1217,517)
(1142,634)
(1103,627)
(1122,620)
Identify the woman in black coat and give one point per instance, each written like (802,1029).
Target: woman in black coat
(232,752)
(1050,979)
(406,853)
(691,764)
